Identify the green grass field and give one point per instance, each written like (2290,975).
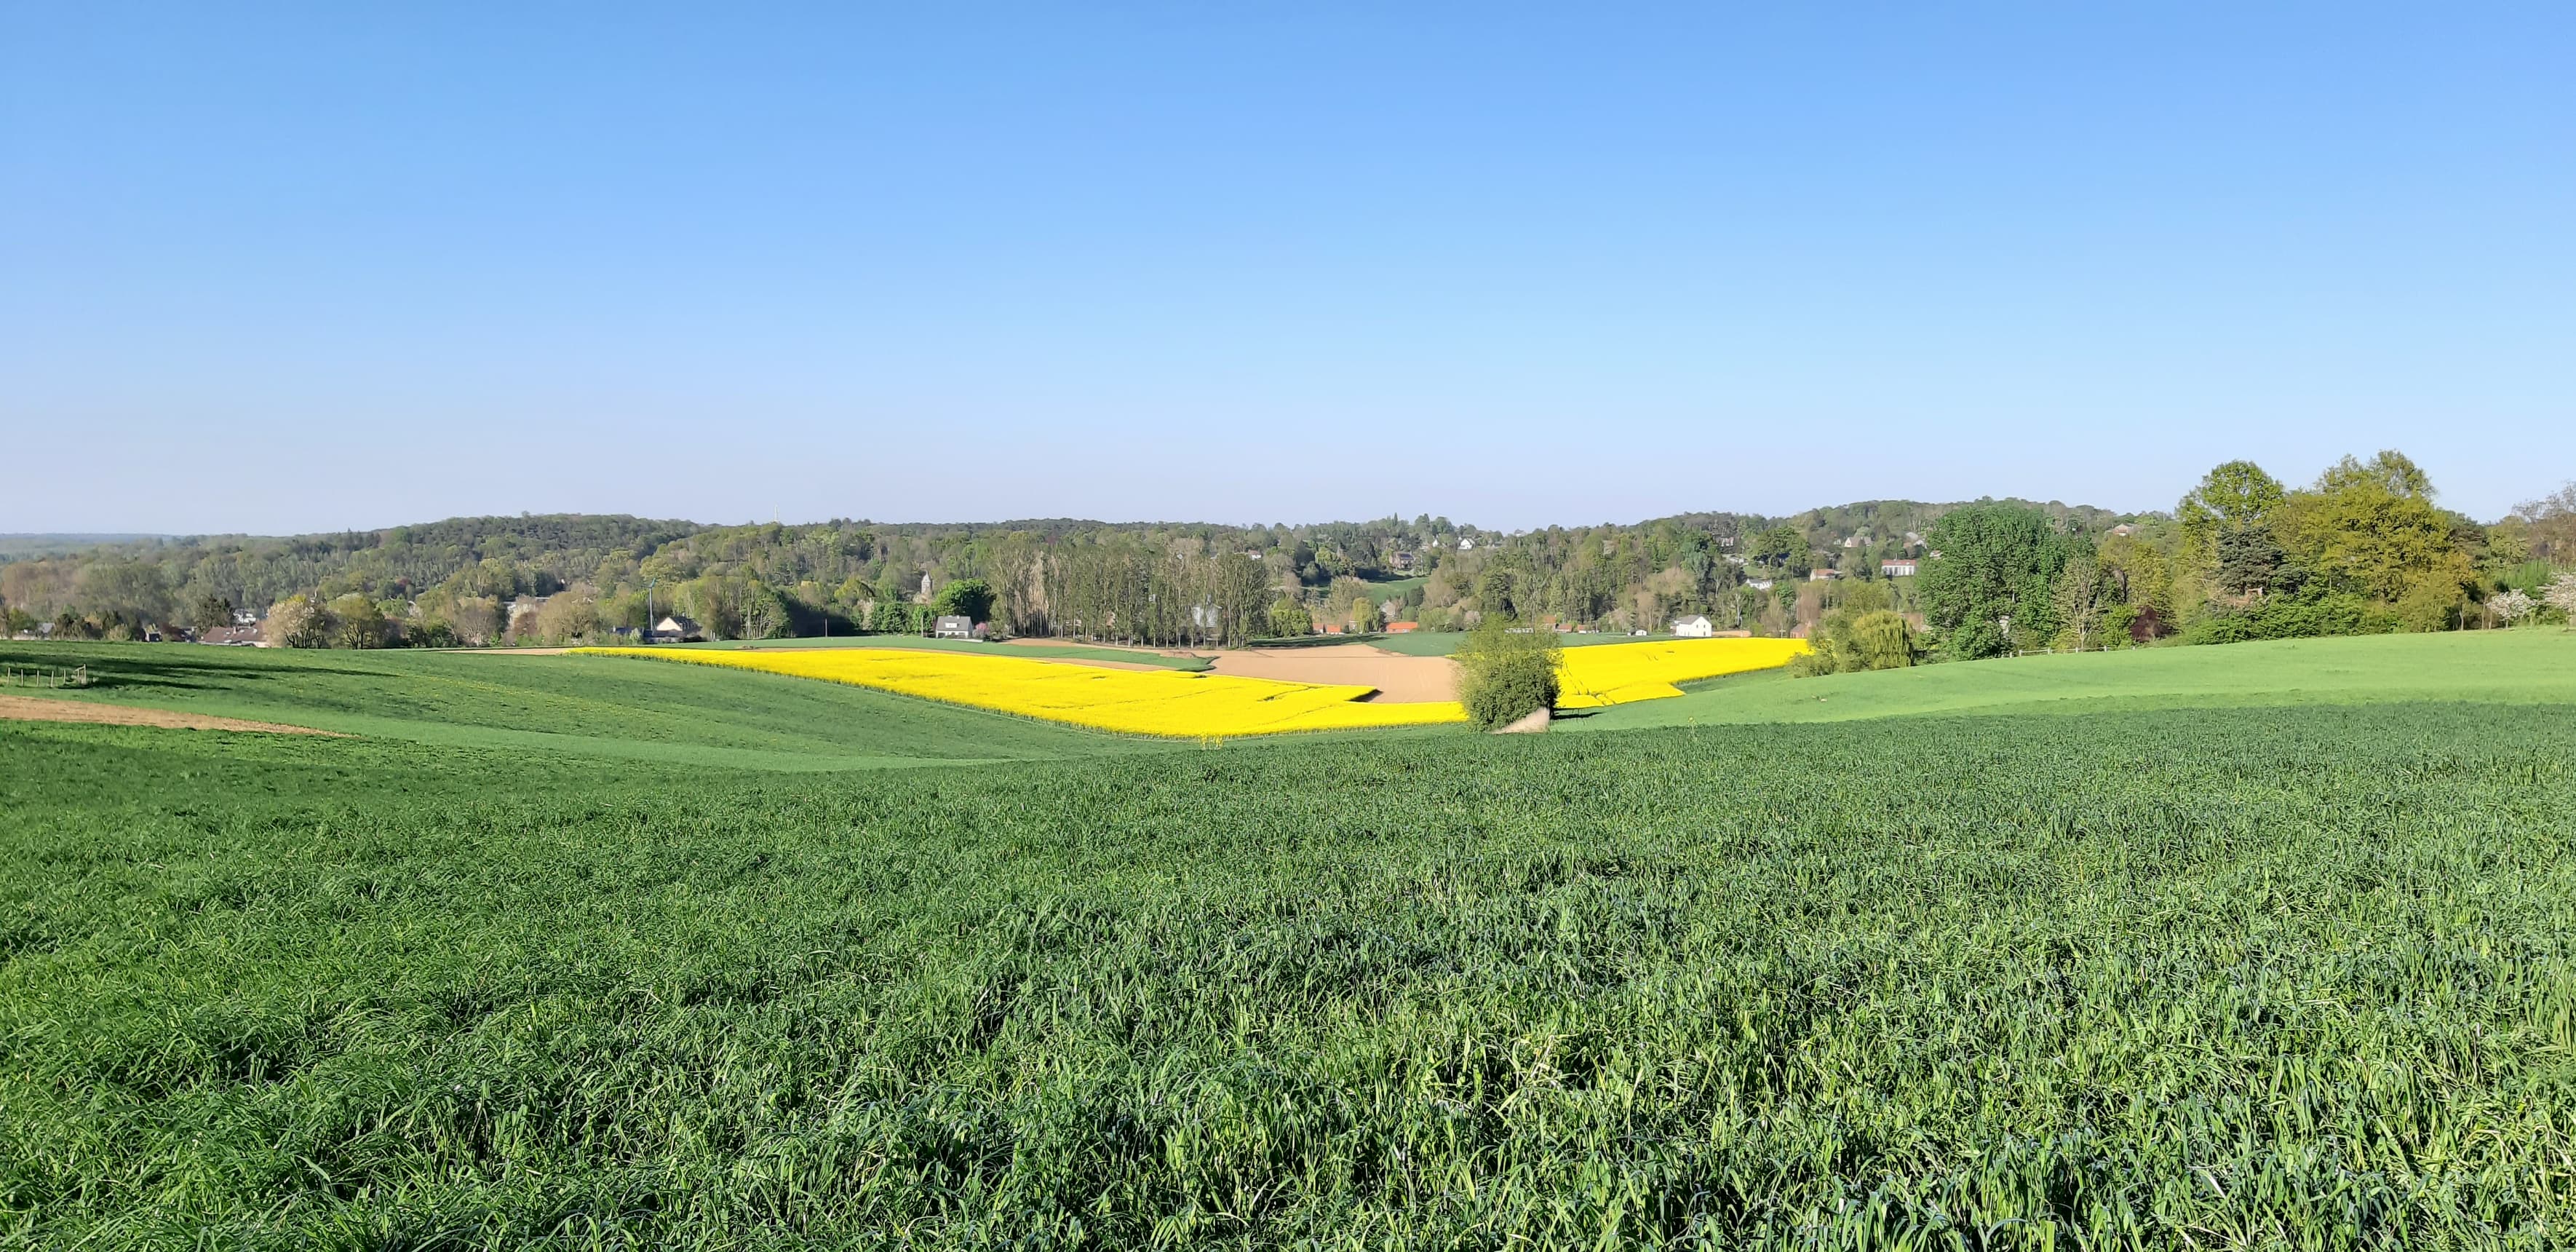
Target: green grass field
(2535,666)
(563,705)
(2021,954)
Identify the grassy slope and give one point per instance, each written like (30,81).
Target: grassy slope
(2501,667)
(587,706)
(2211,977)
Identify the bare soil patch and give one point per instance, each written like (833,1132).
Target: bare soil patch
(1398,679)
(33,709)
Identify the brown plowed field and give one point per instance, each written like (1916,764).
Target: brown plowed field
(33,709)
(1398,679)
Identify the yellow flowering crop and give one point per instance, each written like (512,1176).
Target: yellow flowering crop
(1621,673)
(1197,706)
(1160,702)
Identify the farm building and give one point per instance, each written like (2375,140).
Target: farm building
(1823,574)
(1400,628)
(1897,568)
(674,628)
(1693,627)
(952,626)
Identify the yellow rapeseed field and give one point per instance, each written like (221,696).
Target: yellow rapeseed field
(1199,706)
(1623,673)
(1161,702)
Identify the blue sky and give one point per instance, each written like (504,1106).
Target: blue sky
(290,268)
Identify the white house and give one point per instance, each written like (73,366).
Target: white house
(675,629)
(1903,568)
(1693,627)
(952,626)
(1758,584)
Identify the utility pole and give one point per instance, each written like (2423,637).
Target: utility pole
(649,585)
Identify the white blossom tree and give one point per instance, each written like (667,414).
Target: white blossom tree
(2512,606)
(2561,595)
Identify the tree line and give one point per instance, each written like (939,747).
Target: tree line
(2364,547)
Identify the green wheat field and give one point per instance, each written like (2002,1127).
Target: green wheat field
(2256,946)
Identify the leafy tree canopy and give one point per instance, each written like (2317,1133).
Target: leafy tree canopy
(1990,589)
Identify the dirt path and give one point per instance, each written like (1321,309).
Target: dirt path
(1398,679)
(33,709)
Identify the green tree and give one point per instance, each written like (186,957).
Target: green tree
(568,616)
(134,591)
(1506,672)
(1864,632)
(297,622)
(210,612)
(356,622)
(2083,598)
(2371,529)
(1289,618)
(965,597)
(1989,592)
(2233,496)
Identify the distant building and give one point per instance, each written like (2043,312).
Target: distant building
(674,628)
(1402,628)
(1856,539)
(524,606)
(1902,567)
(951,626)
(1693,627)
(1403,561)
(1465,544)
(1821,574)
(2124,530)
(1758,584)
(233,636)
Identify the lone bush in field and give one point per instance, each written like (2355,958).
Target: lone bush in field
(1505,673)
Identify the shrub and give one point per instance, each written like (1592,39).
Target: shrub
(2311,613)
(1505,674)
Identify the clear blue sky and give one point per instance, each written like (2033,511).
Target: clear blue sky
(295,268)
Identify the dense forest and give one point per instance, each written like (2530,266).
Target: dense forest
(2365,547)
